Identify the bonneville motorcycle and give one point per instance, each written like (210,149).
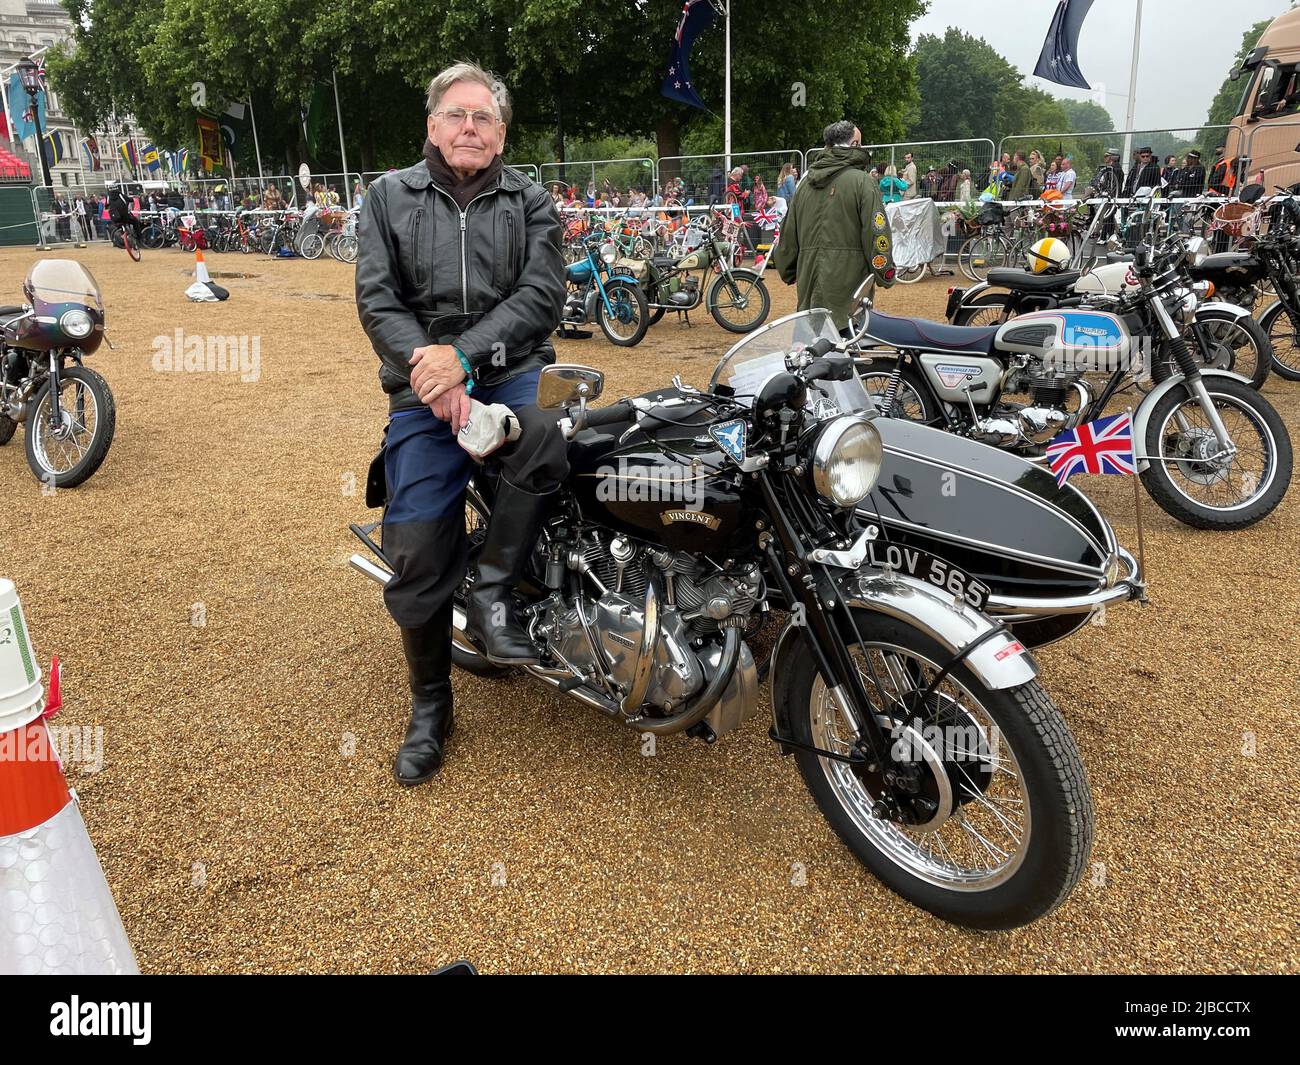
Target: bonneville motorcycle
(1211,450)
(66,408)
(691,517)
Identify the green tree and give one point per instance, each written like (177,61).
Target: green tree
(1084,116)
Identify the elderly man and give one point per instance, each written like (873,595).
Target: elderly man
(459,284)
(836,229)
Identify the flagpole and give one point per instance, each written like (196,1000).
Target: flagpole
(726,122)
(1132,86)
(257,150)
(338,113)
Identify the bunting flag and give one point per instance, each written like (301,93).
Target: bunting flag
(183,160)
(127,151)
(90,152)
(209,141)
(1059,60)
(150,158)
(20,108)
(697,16)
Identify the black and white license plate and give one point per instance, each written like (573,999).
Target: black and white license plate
(913,562)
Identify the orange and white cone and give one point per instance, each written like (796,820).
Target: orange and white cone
(203,290)
(57,915)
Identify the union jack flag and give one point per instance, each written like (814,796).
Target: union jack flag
(765,219)
(1101,446)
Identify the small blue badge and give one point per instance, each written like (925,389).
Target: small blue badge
(730,436)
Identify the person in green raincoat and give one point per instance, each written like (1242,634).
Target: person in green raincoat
(836,231)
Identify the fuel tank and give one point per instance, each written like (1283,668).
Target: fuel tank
(684,497)
(1069,341)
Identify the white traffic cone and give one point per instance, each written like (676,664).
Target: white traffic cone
(203,290)
(57,915)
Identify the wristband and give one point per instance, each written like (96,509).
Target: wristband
(469,370)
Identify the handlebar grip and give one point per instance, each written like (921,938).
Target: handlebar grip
(822,346)
(615,412)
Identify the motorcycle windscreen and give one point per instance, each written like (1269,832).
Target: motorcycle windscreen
(997,516)
(62,281)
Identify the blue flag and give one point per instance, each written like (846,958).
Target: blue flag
(1059,61)
(19,104)
(697,16)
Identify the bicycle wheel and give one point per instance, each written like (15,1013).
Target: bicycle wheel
(129,243)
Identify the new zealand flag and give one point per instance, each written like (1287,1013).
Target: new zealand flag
(1059,61)
(697,16)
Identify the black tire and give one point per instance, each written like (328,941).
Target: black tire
(656,313)
(101,438)
(1054,785)
(130,244)
(1285,341)
(1271,434)
(629,300)
(7,429)
(980,310)
(912,401)
(1254,364)
(744,285)
(312,246)
(152,237)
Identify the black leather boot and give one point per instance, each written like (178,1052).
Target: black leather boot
(511,535)
(428,661)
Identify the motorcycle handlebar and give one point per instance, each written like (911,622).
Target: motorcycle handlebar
(615,412)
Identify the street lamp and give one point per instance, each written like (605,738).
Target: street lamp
(33,82)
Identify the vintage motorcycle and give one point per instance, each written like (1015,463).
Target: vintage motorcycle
(67,410)
(1224,335)
(916,720)
(1211,451)
(599,291)
(737,298)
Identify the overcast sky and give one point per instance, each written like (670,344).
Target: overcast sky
(1186,48)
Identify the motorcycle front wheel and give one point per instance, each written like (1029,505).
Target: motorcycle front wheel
(66,454)
(1285,341)
(739,303)
(7,429)
(1238,345)
(630,319)
(1000,829)
(1190,478)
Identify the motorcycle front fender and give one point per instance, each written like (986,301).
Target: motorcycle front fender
(1223,308)
(1000,662)
(1143,413)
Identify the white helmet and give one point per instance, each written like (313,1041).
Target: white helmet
(1047,256)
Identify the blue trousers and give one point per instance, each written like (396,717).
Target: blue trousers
(427,472)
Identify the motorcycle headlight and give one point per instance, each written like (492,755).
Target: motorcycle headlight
(846,460)
(1197,250)
(76,323)
(608,253)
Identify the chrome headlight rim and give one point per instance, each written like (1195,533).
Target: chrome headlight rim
(608,253)
(828,449)
(77,323)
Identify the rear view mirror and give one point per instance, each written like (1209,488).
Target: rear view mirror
(563,385)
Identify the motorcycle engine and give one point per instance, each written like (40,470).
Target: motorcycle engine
(602,635)
(1043,417)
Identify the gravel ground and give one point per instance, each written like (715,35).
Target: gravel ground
(245,812)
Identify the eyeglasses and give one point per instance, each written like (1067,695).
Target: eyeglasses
(483,119)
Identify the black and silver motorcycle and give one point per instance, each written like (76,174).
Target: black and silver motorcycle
(67,409)
(917,721)
(1211,450)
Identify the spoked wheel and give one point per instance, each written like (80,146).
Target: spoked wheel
(991,825)
(312,246)
(739,304)
(981,254)
(910,275)
(1200,483)
(153,237)
(986,310)
(1285,341)
(909,402)
(1238,345)
(130,244)
(345,248)
(67,452)
(627,318)
(476,519)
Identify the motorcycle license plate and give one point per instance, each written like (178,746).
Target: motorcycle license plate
(922,565)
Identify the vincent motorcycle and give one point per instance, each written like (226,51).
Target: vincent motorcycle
(691,516)
(1211,451)
(66,408)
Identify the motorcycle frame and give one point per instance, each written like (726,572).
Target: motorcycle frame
(656,280)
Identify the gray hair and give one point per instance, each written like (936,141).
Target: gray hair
(472,72)
(838,134)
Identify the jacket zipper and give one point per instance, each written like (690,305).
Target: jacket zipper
(464,264)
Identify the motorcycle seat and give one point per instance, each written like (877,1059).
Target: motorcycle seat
(1024,281)
(917,334)
(10,309)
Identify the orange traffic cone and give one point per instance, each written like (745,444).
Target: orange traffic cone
(57,915)
(203,290)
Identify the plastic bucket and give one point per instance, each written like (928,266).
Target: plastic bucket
(22,697)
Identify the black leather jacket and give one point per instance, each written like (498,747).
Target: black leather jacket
(490,280)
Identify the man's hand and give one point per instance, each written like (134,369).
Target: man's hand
(435,370)
(452,406)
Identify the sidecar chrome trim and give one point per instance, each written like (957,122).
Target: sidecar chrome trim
(1125,589)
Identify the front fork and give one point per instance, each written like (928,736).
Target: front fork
(1191,377)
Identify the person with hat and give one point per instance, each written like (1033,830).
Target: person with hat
(1190,180)
(1109,179)
(1145,174)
